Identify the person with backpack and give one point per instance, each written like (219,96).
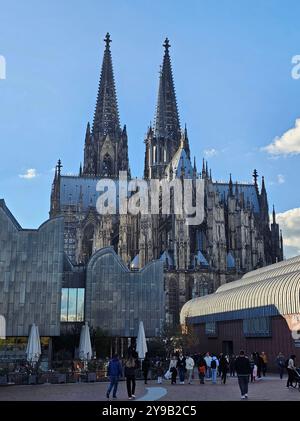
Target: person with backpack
(214,367)
(201,369)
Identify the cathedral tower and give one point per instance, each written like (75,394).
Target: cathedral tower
(163,140)
(106,146)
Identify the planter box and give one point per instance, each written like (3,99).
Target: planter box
(91,377)
(3,379)
(32,379)
(61,378)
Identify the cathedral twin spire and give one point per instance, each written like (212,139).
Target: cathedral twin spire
(106,117)
(167,123)
(106,149)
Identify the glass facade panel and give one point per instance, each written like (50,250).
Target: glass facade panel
(211,328)
(80,304)
(259,327)
(72,305)
(64,305)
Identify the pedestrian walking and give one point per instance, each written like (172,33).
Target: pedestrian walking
(264,363)
(208,359)
(173,369)
(146,364)
(189,366)
(231,365)
(159,371)
(114,372)
(181,367)
(280,362)
(252,366)
(223,367)
(130,369)
(243,370)
(214,367)
(201,369)
(291,369)
(259,363)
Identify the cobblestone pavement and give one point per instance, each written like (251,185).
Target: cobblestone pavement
(270,388)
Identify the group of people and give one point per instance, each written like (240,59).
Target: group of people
(209,367)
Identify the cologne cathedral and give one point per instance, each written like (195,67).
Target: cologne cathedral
(236,235)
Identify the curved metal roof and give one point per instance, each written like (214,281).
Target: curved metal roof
(271,267)
(275,293)
(291,265)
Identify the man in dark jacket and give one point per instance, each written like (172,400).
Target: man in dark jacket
(114,372)
(243,370)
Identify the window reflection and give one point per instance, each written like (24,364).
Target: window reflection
(80,304)
(64,305)
(72,305)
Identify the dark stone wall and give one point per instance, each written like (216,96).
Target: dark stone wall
(117,299)
(31,270)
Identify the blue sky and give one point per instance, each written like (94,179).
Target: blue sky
(232,70)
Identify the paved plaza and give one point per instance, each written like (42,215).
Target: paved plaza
(270,388)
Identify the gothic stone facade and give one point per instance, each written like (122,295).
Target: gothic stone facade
(235,237)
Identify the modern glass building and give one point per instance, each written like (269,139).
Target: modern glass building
(39,284)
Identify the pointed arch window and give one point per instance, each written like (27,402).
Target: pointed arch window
(87,242)
(107,165)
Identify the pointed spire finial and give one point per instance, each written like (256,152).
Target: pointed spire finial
(274,215)
(167,45)
(263,187)
(107,40)
(203,169)
(59,167)
(230,185)
(255,176)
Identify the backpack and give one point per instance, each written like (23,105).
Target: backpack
(213,364)
(287,363)
(202,369)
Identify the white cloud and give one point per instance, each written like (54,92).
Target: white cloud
(289,222)
(280,179)
(209,153)
(287,144)
(29,174)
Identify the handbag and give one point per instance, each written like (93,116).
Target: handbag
(167,375)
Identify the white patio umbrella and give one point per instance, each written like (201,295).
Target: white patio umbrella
(141,344)
(85,347)
(33,350)
(2,327)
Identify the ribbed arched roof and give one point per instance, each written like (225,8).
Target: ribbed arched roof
(272,271)
(267,292)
